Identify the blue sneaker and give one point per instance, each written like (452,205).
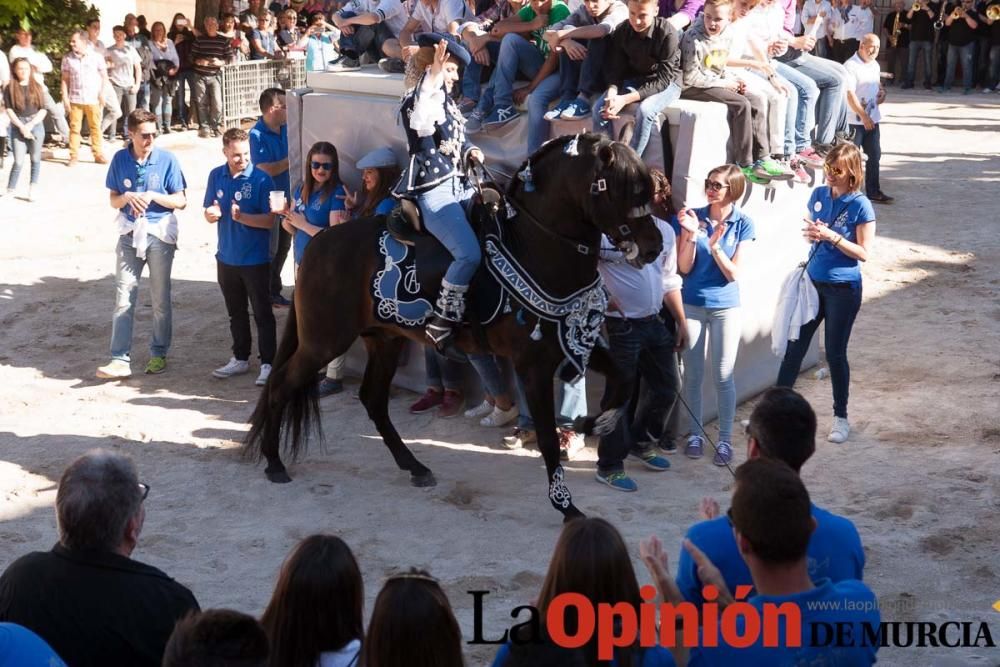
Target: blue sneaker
(650,459)
(617,480)
(576,109)
(557,111)
(723,454)
(694,447)
(474,122)
(500,116)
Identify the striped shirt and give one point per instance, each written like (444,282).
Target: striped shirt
(208,48)
(83,76)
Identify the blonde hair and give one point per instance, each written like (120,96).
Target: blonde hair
(418,64)
(848,158)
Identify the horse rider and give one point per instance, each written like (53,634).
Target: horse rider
(435,176)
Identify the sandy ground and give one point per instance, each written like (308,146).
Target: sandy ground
(919,475)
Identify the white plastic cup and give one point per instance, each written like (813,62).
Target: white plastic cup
(277,199)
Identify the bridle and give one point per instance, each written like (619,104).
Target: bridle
(598,188)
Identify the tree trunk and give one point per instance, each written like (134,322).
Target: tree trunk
(202,9)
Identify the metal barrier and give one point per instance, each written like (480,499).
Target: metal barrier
(243,82)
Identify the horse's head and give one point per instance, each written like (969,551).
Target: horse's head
(620,196)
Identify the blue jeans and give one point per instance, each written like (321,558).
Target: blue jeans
(839,304)
(162,106)
(141,98)
(128,270)
(538,104)
(441,372)
(489,372)
(639,347)
(721,329)
(645,116)
(870,143)
(916,47)
(444,208)
(830,78)
(572,403)
(516,55)
(22,148)
(965,53)
(993,77)
(582,78)
(472,77)
(806,97)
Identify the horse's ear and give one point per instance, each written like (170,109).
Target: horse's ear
(606,154)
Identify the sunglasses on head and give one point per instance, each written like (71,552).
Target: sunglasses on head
(714,186)
(325,166)
(836,172)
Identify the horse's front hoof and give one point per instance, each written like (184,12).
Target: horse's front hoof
(423,480)
(279,476)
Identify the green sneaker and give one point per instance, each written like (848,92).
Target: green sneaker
(753,176)
(156,365)
(775,170)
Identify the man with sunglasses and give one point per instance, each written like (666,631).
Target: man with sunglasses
(269,153)
(87,597)
(146,186)
(782,428)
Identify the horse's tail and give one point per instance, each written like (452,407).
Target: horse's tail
(299,412)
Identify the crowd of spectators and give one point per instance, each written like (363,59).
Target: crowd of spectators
(89,601)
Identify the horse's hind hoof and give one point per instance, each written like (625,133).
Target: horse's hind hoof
(424,480)
(278,476)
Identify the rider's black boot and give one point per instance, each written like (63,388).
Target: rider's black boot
(448,313)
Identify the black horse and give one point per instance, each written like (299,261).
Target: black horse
(569,193)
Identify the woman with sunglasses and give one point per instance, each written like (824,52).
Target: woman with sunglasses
(841,227)
(708,256)
(318,203)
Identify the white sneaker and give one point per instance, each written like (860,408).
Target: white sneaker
(839,431)
(116,370)
(480,410)
(500,417)
(234,367)
(265,372)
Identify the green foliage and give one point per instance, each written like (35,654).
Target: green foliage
(50,22)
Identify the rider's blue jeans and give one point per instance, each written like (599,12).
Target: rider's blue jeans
(444,209)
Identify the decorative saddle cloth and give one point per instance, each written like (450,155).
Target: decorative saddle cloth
(404,291)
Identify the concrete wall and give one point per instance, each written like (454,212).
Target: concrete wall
(357,122)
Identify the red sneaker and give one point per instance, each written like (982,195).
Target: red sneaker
(430,400)
(452,404)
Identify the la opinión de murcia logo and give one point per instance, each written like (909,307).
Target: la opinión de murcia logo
(739,625)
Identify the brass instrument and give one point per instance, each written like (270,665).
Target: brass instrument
(993,12)
(917,6)
(939,24)
(957,14)
(894,37)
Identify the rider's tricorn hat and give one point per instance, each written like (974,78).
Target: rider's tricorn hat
(380,157)
(455,50)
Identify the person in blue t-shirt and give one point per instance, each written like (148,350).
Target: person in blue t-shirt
(709,240)
(379,174)
(841,227)
(269,153)
(237,199)
(21,647)
(318,203)
(782,427)
(591,559)
(146,186)
(772,522)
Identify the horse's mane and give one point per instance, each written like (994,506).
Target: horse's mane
(626,168)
